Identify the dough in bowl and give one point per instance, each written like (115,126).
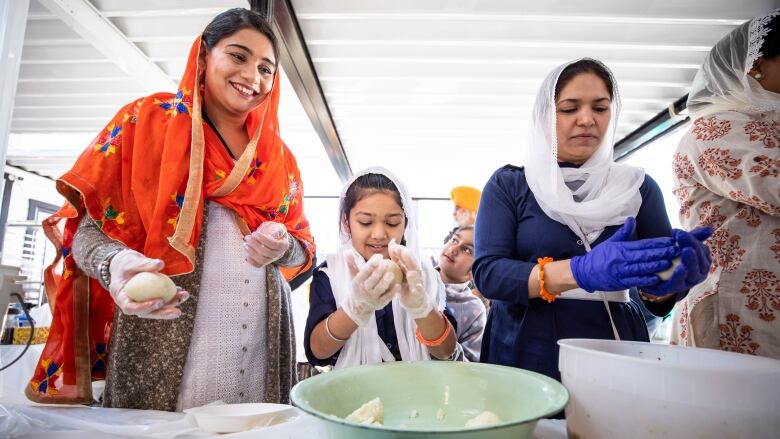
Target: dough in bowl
(483,419)
(372,413)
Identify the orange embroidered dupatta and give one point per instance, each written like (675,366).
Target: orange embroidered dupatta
(144,181)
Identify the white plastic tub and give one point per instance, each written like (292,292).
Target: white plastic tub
(643,390)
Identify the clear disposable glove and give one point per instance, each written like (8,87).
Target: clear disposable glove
(617,263)
(412,296)
(371,289)
(126,264)
(694,265)
(266,244)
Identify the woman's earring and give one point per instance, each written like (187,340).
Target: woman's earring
(758,76)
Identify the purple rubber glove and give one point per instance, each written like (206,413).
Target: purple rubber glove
(694,265)
(617,263)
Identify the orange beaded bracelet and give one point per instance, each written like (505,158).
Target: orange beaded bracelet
(543,293)
(438,341)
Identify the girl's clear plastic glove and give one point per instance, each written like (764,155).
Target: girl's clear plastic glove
(413,296)
(126,264)
(371,289)
(266,244)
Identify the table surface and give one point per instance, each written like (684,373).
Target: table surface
(22,418)
(66,422)
(14,379)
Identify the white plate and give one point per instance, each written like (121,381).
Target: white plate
(231,418)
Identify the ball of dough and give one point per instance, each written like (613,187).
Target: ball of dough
(483,419)
(667,274)
(145,286)
(370,413)
(392,267)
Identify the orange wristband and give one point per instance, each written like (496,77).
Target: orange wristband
(438,341)
(543,293)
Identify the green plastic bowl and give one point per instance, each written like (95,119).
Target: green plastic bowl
(462,390)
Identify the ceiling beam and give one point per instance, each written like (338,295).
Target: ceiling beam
(263,7)
(95,28)
(297,64)
(656,127)
(13,21)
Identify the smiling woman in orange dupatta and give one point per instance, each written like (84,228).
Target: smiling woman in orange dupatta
(149,183)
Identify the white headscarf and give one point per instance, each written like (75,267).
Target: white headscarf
(609,192)
(365,346)
(723,84)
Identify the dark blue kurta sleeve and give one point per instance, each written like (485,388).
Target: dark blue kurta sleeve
(651,220)
(322,303)
(498,274)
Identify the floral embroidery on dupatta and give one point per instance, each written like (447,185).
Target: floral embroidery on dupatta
(66,272)
(255,171)
(174,209)
(290,198)
(109,140)
(48,385)
(179,104)
(110,214)
(100,352)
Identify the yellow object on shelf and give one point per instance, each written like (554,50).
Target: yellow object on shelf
(21,335)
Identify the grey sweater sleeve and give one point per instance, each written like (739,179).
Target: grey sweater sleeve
(91,247)
(295,254)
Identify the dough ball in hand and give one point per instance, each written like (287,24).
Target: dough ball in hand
(145,286)
(392,267)
(667,274)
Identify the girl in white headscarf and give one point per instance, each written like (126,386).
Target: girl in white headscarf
(727,176)
(559,242)
(360,312)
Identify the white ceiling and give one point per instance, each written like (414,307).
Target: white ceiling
(437,91)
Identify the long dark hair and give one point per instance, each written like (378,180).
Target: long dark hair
(234,20)
(364,186)
(771,46)
(585,65)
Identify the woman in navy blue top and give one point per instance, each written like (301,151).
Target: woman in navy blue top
(584,223)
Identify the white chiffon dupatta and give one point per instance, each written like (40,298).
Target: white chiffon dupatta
(608,192)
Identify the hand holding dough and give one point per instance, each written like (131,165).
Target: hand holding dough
(152,302)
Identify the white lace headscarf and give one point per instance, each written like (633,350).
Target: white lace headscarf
(365,346)
(609,192)
(723,84)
